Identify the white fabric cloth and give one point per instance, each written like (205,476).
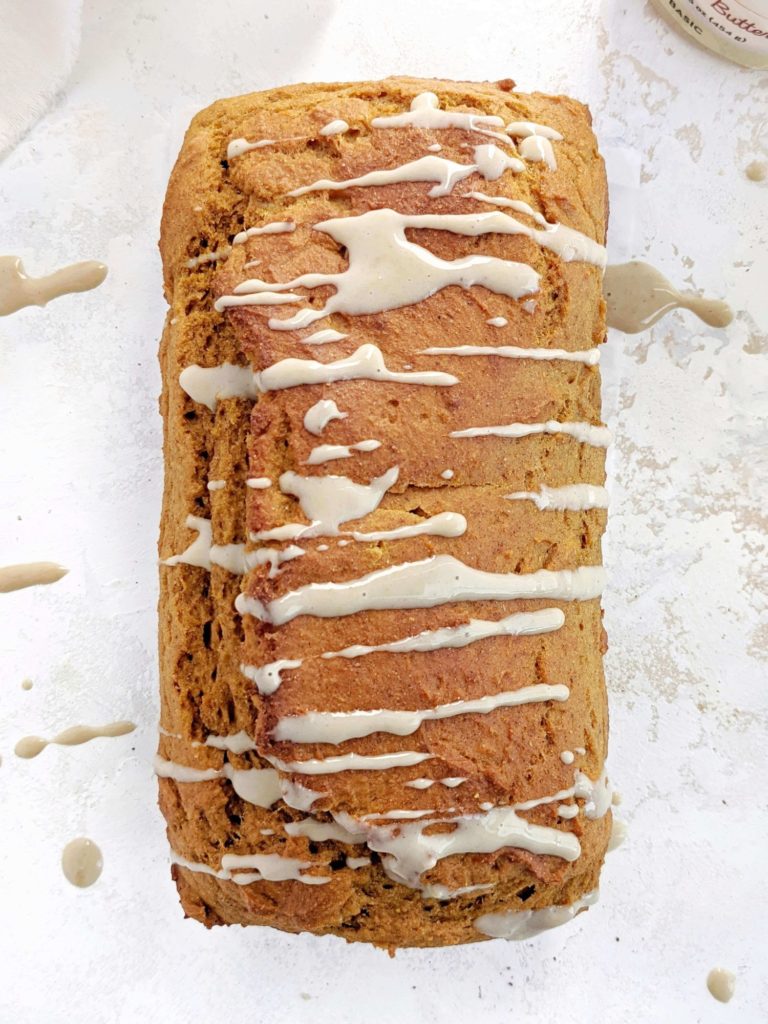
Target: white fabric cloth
(40,43)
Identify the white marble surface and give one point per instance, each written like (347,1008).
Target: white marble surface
(81,484)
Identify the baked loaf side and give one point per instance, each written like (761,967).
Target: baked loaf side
(383,709)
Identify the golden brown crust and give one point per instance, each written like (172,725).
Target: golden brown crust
(508,756)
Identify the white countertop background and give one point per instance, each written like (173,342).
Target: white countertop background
(81,484)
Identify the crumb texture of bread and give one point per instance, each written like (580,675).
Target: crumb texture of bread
(437,517)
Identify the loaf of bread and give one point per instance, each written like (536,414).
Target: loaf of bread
(383,710)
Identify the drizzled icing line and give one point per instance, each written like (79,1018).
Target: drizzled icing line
(586,433)
(275,228)
(407,851)
(339,726)
(589,356)
(204,554)
(441,579)
(518,624)
(425,112)
(405,273)
(572,497)
(269,867)
(490,163)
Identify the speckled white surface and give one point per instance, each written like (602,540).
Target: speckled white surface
(81,484)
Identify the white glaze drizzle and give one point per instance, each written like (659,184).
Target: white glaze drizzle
(216,485)
(425,112)
(338,726)
(203,553)
(351,763)
(547,620)
(317,418)
(208,385)
(405,273)
(267,677)
(199,551)
(358,862)
(572,497)
(301,798)
(585,433)
(331,452)
(588,356)
(165,769)
(235,743)
(270,867)
(567,243)
(619,832)
(239,146)
(489,162)
(274,557)
(329,501)
(443,892)
(407,851)
(441,579)
(568,811)
(258,483)
(209,257)
(275,228)
(447,474)
(536,149)
(259,786)
(336,127)
(264,298)
(323,337)
(278,227)
(322,831)
(497,321)
(398,814)
(366,363)
(511,204)
(451,782)
(527,924)
(444,524)
(524,129)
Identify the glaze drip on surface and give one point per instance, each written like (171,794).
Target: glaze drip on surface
(82,862)
(638,296)
(18,290)
(30,574)
(31,746)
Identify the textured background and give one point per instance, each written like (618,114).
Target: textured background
(81,484)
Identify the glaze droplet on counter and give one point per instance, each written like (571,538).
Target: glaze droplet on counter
(18,290)
(638,296)
(31,746)
(29,574)
(721,984)
(82,862)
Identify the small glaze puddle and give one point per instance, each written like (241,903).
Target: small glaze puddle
(81,862)
(721,984)
(638,296)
